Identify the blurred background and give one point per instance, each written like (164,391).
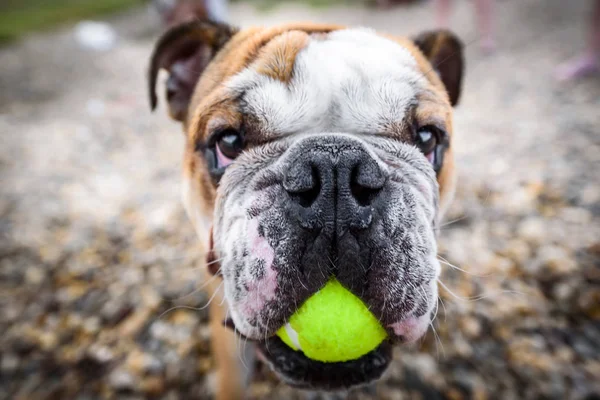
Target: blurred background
(99,265)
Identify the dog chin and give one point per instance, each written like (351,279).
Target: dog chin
(299,371)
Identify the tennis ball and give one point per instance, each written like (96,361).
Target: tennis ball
(333,326)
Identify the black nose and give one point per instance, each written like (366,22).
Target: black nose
(334,183)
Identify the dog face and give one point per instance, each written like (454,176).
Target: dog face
(316,152)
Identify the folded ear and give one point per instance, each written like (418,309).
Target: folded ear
(185,51)
(445,53)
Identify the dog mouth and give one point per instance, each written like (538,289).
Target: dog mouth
(299,371)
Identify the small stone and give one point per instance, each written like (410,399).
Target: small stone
(589,303)
(115,311)
(10,363)
(590,195)
(454,394)
(384,393)
(519,201)
(153,385)
(47,340)
(150,297)
(554,261)
(135,322)
(470,327)
(23,344)
(91,325)
(70,293)
(531,352)
(101,354)
(144,363)
(160,330)
(564,355)
(517,250)
(594,249)
(259,390)
(425,365)
(533,230)
(564,291)
(462,347)
(120,379)
(34,276)
(579,216)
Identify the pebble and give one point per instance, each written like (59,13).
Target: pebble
(144,363)
(9,363)
(589,302)
(552,261)
(101,354)
(532,230)
(121,379)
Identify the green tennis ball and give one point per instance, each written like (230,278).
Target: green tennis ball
(333,326)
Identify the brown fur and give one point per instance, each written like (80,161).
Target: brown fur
(276,59)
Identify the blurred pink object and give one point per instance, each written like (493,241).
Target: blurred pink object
(483,12)
(589,62)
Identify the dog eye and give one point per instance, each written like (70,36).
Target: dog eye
(426,141)
(228,147)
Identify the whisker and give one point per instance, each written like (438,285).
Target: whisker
(453,221)
(190,307)
(446,262)
(480,297)
(237,342)
(438,340)
(207,264)
(437,307)
(244,363)
(444,307)
(204,285)
(223,300)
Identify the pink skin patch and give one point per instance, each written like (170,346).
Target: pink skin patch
(430,157)
(222,160)
(262,290)
(411,328)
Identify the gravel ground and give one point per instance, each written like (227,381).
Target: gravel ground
(99,265)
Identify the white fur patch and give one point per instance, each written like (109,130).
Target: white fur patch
(351,81)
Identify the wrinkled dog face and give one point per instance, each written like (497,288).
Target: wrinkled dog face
(330,154)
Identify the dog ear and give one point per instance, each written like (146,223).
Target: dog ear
(185,51)
(444,50)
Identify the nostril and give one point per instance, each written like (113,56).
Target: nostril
(363,189)
(306,195)
(306,198)
(364,196)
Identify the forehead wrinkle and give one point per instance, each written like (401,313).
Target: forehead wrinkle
(349,80)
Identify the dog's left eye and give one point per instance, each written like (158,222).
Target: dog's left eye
(426,141)
(432,142)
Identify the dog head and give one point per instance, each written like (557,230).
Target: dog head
(315,151)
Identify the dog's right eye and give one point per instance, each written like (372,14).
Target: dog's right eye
(222,149)
(229,145)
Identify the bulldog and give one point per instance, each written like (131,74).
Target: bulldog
(312,151)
